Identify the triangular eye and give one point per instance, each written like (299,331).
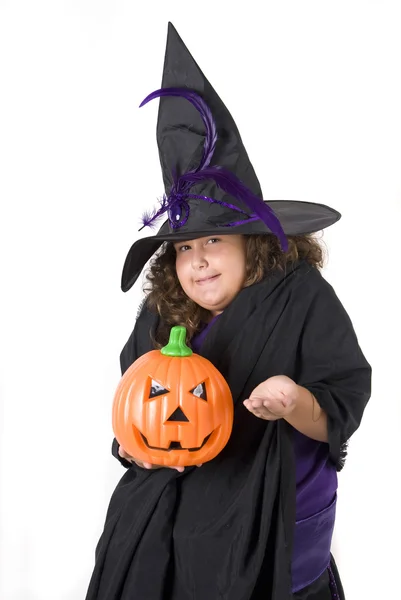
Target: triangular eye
(156,389)
(200,391)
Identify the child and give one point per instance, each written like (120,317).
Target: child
(257,521)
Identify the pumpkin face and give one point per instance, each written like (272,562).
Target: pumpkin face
(173,410)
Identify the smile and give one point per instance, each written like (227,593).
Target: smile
(175,445)
(206,280)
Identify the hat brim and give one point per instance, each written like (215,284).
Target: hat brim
(296,218)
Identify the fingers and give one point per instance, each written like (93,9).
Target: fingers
(260,410)
(146,465)
(270,403)
(275,405)
(151,466)
(124,454)
(179,469)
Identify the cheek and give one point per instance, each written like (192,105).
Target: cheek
(237,270)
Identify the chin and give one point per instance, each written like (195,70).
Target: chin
(213,304)
(218,307)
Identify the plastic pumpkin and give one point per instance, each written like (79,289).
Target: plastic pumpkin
(173,407)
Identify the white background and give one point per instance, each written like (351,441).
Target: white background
(314,87)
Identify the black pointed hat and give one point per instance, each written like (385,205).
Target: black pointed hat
(210,185)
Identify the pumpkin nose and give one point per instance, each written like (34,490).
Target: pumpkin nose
(177,415)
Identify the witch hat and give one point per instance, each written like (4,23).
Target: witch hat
(210,185)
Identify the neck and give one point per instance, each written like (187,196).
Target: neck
(214,313)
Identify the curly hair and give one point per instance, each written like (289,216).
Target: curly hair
(263,255)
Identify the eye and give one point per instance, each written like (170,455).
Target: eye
(213,240)
(156,389)
(200,391)
(183,248)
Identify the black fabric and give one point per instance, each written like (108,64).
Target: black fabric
(181,132)
(323,588)
(318,590)
(114,450)
(224,531)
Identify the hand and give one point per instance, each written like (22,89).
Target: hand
(274,398)
(146,465)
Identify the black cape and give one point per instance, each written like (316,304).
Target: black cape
(224,531)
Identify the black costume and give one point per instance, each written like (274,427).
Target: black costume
(168,534)
(225,531)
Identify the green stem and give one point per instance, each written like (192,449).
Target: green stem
(177,343)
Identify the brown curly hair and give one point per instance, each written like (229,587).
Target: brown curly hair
(263,255)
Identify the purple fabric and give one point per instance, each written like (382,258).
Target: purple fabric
(316,476)
(199,338)
(316,487)
(312,543)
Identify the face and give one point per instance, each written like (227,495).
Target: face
(212,270)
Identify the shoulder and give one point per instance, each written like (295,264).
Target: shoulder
(308,280)
(317,296)
(322,310)
(312,281)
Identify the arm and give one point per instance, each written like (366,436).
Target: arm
(308,417)
(280,397)
(330,365)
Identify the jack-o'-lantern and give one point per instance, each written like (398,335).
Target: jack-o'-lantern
(173,407)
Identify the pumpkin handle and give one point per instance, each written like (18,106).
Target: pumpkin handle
(177,343)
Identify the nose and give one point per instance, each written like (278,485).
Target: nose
(198,259)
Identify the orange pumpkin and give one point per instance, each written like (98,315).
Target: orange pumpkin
(173,407)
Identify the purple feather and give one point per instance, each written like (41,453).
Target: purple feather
(176,204)
(150,216)
(229,183)
(205,113)
(226,204)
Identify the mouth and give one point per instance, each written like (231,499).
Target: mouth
(206,280)
(175,445)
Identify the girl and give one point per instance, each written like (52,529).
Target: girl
(257,521)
